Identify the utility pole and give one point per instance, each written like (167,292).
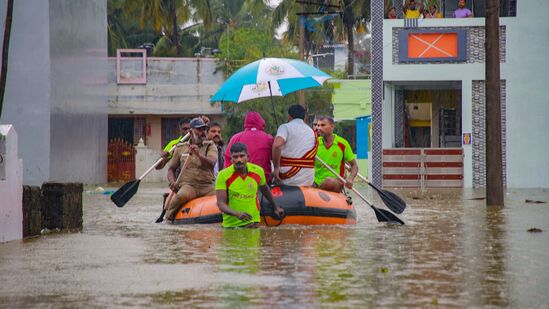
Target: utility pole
(494,161)
(301,94)
(302,15)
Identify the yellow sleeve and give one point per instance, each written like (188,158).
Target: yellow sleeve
(221,181)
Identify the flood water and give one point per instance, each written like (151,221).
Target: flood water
(453,252)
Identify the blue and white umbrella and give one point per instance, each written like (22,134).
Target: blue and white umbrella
(269,77)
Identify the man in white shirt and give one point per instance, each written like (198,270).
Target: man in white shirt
(294,150)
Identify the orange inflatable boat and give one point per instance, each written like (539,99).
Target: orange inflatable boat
(302,205)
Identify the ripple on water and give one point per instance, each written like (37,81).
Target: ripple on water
(453,252)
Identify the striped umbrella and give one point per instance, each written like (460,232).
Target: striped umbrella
(269,77)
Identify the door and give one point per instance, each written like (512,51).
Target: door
(121,161)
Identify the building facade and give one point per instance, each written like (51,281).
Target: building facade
(428,92)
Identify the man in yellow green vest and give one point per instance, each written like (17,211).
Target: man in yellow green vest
(166,155)
(236,190)
(335,151)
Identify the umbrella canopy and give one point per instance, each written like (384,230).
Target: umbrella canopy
(269,77)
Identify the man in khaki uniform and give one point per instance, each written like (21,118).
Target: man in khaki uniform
(197,176)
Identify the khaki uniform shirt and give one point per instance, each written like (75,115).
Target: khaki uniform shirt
(196,173)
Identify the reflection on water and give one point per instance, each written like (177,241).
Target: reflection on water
(453,252)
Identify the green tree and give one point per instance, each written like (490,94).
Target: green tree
(248,45)
(166,17)
(356,14)
(115,26)
(227,15)
(124,29)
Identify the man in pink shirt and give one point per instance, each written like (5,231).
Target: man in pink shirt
(258,142)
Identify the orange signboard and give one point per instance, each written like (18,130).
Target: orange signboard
(433,45)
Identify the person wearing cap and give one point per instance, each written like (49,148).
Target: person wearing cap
(197,178)
(166,155)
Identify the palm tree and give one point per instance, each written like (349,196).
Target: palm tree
(355,13)
(116,33)
(167,16)
(286,12)
(232,14)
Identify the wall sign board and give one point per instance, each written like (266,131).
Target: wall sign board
(417,45)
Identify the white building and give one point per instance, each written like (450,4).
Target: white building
(428,93)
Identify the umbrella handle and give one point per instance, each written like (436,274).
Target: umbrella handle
(273,104)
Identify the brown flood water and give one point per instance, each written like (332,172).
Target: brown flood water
(453,252)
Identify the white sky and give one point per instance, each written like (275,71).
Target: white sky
(282,27)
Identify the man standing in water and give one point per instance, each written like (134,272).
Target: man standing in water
(334,151)
(294,150)
(236,189)
(197,177)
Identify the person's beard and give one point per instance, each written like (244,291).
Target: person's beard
(197,139)
(322,133)
(239,165)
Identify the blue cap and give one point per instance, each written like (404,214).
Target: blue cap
(197,123)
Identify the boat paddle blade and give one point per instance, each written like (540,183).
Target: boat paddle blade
(393,201)
(383,215)
(161,218)
(125,193)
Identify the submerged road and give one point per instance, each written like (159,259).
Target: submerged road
(453,252)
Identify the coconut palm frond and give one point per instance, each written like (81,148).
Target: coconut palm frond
(283,11)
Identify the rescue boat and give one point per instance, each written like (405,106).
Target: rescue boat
(302,205)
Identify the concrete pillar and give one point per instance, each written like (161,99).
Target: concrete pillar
(62,205)
(11,186)
(32,211)
(144,158)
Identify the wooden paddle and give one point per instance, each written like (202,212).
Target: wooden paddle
(128,190)
(382,215)
(164,206)
(393,201)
